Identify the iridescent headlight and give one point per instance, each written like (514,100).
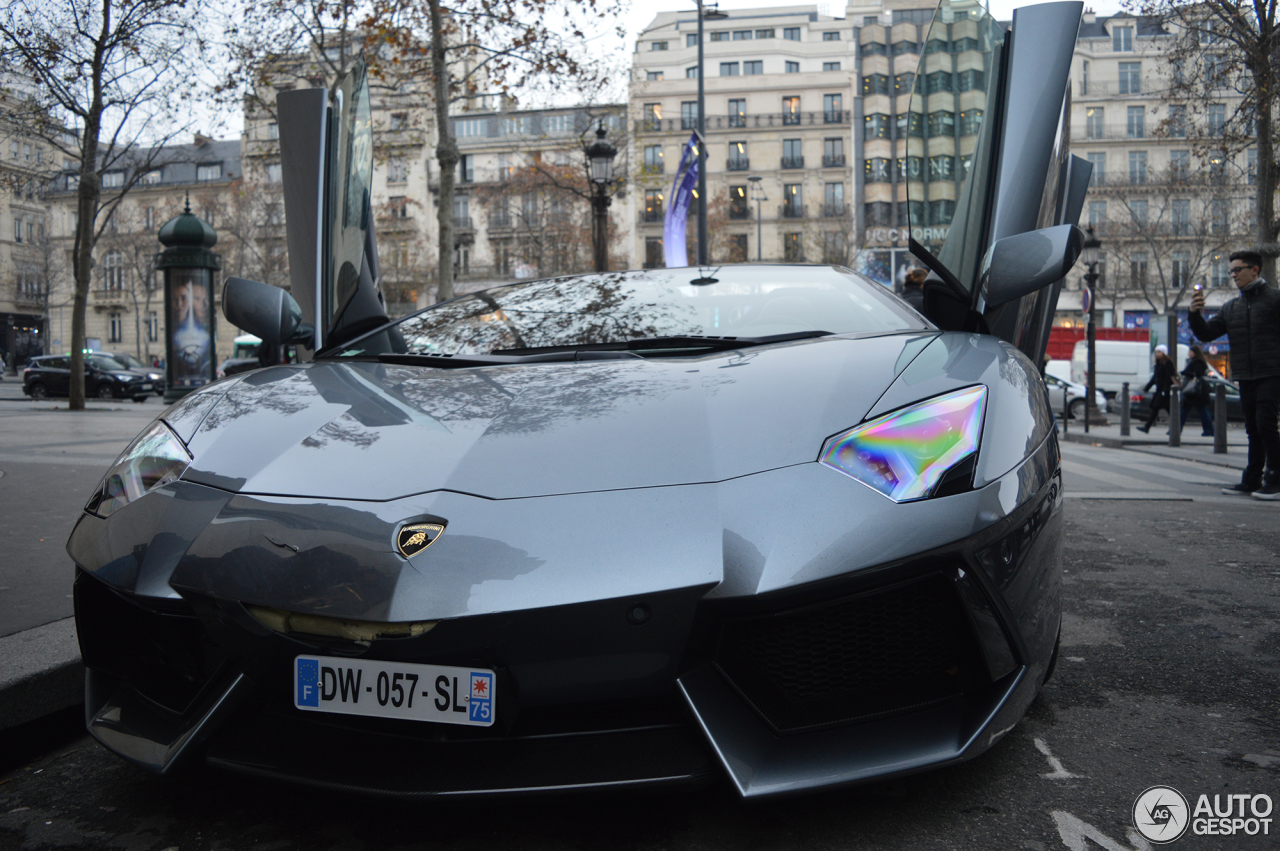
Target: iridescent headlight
(903,455)
(156,457)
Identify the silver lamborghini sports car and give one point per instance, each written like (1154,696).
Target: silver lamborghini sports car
(759,524)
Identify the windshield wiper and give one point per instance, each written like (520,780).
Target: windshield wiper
(673,342)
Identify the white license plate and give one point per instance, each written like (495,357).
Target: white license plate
(144,386)
(438,693)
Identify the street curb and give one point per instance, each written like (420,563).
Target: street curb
(40,672)
(1092,439)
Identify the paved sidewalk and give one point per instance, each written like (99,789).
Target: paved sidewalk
(1193,448)
(40,673)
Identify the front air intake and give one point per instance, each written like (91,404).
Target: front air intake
(883,652)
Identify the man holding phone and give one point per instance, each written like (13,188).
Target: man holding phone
(1251,322)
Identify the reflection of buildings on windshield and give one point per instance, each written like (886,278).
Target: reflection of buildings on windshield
(947,109)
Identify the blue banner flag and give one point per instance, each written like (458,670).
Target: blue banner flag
(673,242)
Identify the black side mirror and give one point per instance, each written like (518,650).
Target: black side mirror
(265,311)
(1019,265)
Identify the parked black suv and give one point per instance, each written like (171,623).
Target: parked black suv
(104,377)
(132,362)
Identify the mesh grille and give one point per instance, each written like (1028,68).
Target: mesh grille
(166,657)
(886,651)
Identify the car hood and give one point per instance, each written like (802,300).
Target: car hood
(370,431)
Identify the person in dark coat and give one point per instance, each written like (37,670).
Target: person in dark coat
(913,289)
(1197,369)
(1162,378)
(1251,322)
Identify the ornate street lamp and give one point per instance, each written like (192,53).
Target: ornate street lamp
(711,12)
(1091,255)
(189,268)
(757,193)
(600,156)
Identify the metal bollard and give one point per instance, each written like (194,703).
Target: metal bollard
(1175,415)
(1220,421)
(1066,409)
(1124,409)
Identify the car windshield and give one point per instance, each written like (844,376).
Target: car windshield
(129,361)
(105,363)
(737,301)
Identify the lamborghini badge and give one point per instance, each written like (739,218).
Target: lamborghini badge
(415,538)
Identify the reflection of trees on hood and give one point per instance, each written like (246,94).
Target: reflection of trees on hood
(281,390)
(565,311)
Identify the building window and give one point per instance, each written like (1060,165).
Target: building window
(938,81)
(875,170)
(273,173)
(753,67)
(1084,77)
(792,196)
(1138,269)
(833,197)
(464,128)
(1099,174)
(831,36)
(970,80)
(397,170)
(875,84)
(397,207)
(115,327)
(1138,209)
(793,67)
(873,48)
(970,122)
(691,40)
(153,326)
(878,213)
(1138,167)
(1179,165)
(653,75)
(722,35)
(1130,78)
(792,153)
(833,152)
(738,160)
(737,112)
(1097,213)
(908,124)
(728,69)
(653,256)
(505,168)
(517,125)
(766,33)
(1215,118)
(830,66)
(273,130)
(691,73)
(1181,216)
(1219,274)
(1252,166)
(832,109)
(1218,218)
(153,176)
(1181,267)
(658,45)
(467,168)
(742,35)
(876,126)
(1135,126)
(149,218)
(791,33)
(17,229)
(653,205)
(793,247)
(1177,123)
(942,212)
(791,109)
(1122,39)
(942,123)
(942,167)
(738,207)
(902,83)
(113,266)
(652,116)
(112,179)
(462,211)
(688,115)
(653,163)
(209,171)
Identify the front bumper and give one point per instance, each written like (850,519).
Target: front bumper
(896,666)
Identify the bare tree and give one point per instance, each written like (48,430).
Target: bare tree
(1170,228)
(104,74)
(130,244)
(1221,69)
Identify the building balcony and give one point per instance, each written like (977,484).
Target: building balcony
(717,123)
(836,116)
(650,169)
(737,214)
(833,161)
(649,217)
(792,162)
(791,211)
(738,164)
(737,121)
(110,295)
(463,223)
(790,118)
(835,211)
(500,221)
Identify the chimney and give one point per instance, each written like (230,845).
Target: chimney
(202,140)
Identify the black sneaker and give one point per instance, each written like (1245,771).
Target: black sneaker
(1271,491)
(1239,490)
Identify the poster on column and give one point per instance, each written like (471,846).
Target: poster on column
(191,334)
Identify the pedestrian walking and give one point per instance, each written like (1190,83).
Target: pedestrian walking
(1251,322)
(1162,377)
(913,288)
(1195,390)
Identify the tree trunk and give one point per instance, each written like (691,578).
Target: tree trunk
(446,155)
(1265,229)
(87,196)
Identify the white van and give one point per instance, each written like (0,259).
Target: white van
(1118,361)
